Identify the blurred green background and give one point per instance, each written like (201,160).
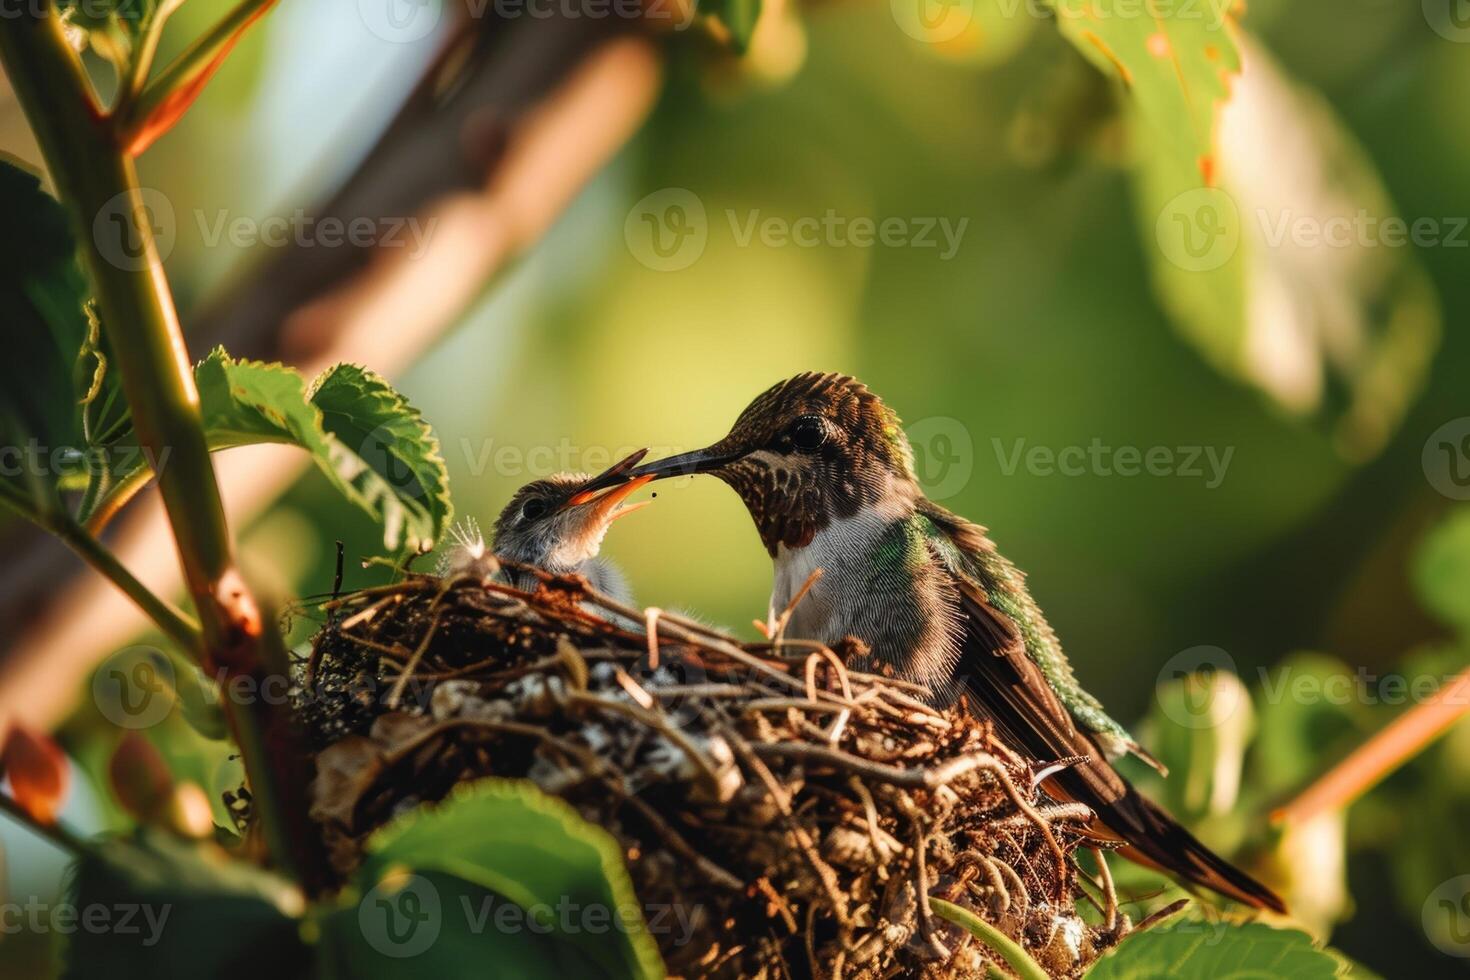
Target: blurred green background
(1043,328)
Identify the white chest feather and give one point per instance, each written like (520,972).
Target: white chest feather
(842,550)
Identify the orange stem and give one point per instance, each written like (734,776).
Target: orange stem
(1367,765)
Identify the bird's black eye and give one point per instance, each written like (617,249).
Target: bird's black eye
(533,508)
(808,433)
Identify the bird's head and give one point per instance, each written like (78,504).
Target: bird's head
(806,451)
(559,522)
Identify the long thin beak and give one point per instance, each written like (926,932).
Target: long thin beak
(684,464)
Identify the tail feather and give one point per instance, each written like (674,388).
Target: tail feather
(1151,837)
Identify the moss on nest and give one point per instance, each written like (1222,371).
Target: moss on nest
(795,809)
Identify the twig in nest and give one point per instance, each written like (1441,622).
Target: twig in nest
(777,902)
(778,628)
(1105,874)
(659,724)
(418,654)
(803,840)
(936,948)
(1162,915)
(670,836)
(650,626)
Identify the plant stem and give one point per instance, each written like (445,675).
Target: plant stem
(57,833)
(174,623)
(143,57)
(96,181)
(115,499)
(1009,950)
(183,74)
(1370,763)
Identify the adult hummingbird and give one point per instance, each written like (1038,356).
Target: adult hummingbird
(556,524)
(827,474)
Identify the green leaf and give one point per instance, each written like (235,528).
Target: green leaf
(1197,950)
(1288,276)
(247,402)
(1441,570)
(176,908)
(739,18)
(405,479)
(1175,59)
(44,375)
(370,442)
(427,924)
(529,849)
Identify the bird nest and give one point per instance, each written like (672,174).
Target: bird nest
(801,810)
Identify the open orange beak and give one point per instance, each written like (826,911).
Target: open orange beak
(608,506)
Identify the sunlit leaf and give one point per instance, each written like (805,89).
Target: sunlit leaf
(1176,61)
(529,849)
(1291,272)
(405,480)
(1199,729)
(1196,950)
(367,439)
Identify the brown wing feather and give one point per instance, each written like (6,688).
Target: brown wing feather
(1009,689)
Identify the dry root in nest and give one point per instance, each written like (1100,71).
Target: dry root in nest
(797,811)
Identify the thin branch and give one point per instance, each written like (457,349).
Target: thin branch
(174,622)
(143,57)
(1370,763)
(116,499)
(57,833)
(161,104)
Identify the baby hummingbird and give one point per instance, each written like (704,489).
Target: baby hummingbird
(556,524)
